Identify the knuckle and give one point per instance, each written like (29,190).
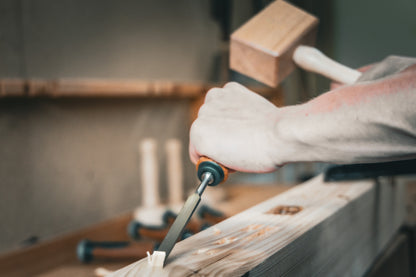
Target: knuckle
(234,86)
(231,85)
(213,94)
(196,130)
(203,110)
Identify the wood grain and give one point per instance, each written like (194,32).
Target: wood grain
(339,230)
(263,47)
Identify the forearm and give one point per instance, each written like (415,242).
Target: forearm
(368,122)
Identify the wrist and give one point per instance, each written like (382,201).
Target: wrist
(289,144)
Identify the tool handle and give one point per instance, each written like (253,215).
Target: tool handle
(311,59)
(211,215)
(219,171)
(138,231)
(88,250)
(193,225)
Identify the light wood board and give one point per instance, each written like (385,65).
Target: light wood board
(339,231)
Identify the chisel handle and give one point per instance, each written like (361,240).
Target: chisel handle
(211,215)
(138,231)
(88,250)
(219,172)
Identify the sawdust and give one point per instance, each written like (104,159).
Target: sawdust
(251,227)
(342,196)
(225,240)
(260,234)
(206,251)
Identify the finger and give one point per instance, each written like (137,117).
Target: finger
(233,85)
(193,154)
(205,110)
(213,94)
(335,85)
(365,67)
(411,68)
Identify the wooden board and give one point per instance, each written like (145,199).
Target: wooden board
(338,230)
(263,47)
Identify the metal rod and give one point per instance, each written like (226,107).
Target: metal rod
(207,178)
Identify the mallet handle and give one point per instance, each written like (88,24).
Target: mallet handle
(311,59)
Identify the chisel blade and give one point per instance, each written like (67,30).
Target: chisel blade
(179,224)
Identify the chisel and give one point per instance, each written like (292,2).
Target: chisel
(209,173)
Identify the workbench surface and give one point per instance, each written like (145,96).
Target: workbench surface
(58,257)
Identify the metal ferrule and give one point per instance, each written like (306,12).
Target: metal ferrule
(207,178)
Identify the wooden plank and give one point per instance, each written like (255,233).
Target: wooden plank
(112,88)
(337,230)
(263,47)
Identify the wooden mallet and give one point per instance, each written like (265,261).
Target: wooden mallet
(267,47)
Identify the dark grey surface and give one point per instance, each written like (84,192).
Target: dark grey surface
(107,39)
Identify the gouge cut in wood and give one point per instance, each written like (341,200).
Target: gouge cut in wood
(263,47)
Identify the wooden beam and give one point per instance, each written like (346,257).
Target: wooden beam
(322,229)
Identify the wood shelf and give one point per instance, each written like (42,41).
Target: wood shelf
(86,88)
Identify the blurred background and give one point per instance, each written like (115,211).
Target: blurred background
(68,162)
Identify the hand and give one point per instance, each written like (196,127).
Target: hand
(370,121)
(235,128)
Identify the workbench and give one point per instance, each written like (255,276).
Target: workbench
(57,257)
(317,228)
